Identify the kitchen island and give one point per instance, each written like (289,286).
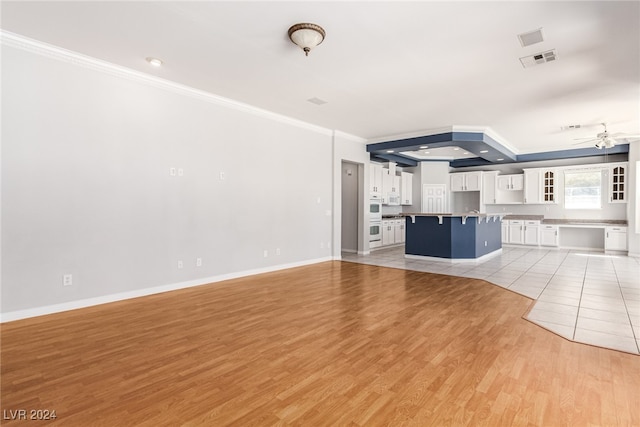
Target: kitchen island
(453,237)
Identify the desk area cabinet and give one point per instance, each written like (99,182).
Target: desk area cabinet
(615,239)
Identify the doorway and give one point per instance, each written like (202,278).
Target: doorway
(434,198)
(352,175)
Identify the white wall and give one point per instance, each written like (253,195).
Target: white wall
(86,188)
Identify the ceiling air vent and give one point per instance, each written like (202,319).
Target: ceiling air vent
(317,101)
(532,37)
(539,58)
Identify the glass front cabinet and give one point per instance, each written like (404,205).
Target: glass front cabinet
(617,184)
(548,186)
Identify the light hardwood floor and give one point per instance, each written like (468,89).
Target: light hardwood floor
(332,344)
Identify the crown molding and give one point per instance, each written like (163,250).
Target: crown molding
(350,137)
(64,55)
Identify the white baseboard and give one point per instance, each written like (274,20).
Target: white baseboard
(89,302)
(457,260)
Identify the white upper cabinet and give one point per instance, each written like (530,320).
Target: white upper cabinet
(474,181)
(406,188)
(617,184)
(510,182)
(549,185)
(466,181)
(457,181)
(390,187)
(489,187)
(375,180)
(532,188)
(540,186)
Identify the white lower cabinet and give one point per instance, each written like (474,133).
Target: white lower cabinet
(516,231)
(399,230)
(532,233)
(549,235)
(521,232)
(388,232)
(615,239)
(505,231)
(393,231)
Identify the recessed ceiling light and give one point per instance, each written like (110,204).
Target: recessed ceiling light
(455,148)
(423,147)
(154,61)
(466,152)
(484,151)
(499,160)
(389,151)
(426,152)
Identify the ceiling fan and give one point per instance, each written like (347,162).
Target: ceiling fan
(605,139)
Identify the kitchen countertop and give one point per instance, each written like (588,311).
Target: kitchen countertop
(467,214)
(585,221)
(557,221)
(525,217)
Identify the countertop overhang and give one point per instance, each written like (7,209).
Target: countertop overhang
(464,216)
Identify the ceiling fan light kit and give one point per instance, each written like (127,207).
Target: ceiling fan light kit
(604,139)
(306,36)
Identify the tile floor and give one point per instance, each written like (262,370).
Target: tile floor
(587,297)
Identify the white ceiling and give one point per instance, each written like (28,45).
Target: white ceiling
(385,68)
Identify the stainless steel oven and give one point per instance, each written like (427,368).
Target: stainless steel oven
(375,210)
(375,234)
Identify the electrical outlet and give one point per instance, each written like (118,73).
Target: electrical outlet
(277,251)
(67,279)
(485,243)
(172,171)
(222,176)
(265,253)
(180,264)
(198,262)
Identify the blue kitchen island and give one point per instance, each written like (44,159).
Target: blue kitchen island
(453,237)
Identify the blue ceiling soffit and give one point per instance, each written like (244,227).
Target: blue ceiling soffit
(577,152)
(473,142)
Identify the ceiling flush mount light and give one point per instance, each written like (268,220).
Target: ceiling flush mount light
(307,36)
(484,151)
(154,61)
(389,151)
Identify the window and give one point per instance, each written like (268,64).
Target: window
(583,189)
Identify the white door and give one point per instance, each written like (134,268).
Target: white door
(434,198)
